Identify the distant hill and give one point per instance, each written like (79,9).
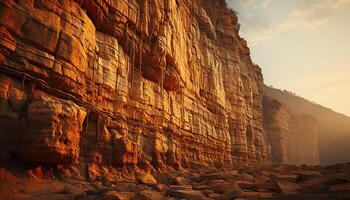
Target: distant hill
(334,135)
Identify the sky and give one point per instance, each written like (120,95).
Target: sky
(302,46)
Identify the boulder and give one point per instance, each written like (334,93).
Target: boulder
(160,187)
(149,195)
(181,181)
(287,177)
(146,179)
(307,175)
(246,184)
(287,187)
(230,195)
(340,187)
(186,194)
(226,175)
(246,177)
(114,195)
(180,187)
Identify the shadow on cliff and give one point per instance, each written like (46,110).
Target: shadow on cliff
(334,128)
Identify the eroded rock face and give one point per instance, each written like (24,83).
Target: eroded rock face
(37,127)
(303,133)
(293,138)
(158,83)
(276,126)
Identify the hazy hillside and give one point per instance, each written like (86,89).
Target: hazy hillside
(334,127)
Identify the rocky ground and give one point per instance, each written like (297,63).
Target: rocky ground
(268,182)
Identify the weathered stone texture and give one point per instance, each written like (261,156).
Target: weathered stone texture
(303,142)
(293,138)
(141,83)
(276,119)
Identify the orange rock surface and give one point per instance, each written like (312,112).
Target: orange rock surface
(128,84)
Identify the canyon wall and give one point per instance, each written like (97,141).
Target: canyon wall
(303,140)
(95,86)
(293,138)
(334,128)
(276,118)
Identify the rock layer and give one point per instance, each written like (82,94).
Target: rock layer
(134,84)
(276,125)
(334,128)
(293,138)
(303,134)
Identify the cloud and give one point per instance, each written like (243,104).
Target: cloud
(315,14)
(307,17)
(249,2)
(255,3)
(251,14)
(334,84)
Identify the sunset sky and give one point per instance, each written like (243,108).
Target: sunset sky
(302,46)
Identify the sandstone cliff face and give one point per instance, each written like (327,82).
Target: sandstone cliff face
(334,128)
(276,126)
(138,84)
(293,138)
(303,140)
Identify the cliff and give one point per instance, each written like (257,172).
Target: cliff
(276,125)
(93,86)
(303,140)
(293,138)
(334,128)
